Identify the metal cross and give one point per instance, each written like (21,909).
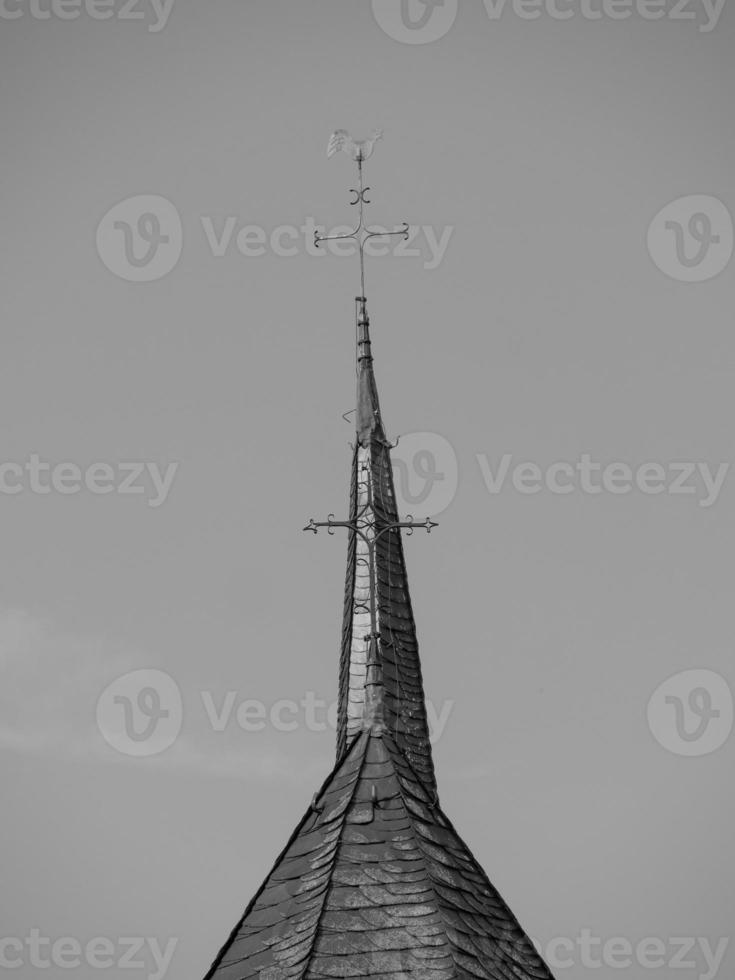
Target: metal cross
(361,234)
(370,531)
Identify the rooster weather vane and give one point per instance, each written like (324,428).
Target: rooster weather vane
(359,151)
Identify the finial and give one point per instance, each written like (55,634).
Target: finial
(359,151)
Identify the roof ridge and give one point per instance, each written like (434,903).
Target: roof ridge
(330,884)
(292,839)
(392,747)
(518,946)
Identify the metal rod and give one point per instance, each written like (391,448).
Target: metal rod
(360,201)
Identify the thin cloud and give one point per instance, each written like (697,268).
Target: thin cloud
(51,683)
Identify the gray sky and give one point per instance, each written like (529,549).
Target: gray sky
(544,332)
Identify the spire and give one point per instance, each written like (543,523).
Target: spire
(375,882)
(378,619)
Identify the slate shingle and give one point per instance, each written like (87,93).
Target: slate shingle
(396,894)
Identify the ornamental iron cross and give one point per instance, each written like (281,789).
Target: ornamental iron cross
(359,151)
(370,531)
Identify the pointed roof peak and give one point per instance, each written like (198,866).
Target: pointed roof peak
(376,882)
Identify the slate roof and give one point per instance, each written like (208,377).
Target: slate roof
(375,882)
(399,651)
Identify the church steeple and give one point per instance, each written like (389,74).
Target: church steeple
(377,601)
(375,881)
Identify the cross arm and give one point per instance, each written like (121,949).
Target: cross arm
(409,525)
(329,524)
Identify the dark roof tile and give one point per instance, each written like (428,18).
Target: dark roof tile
(391,896)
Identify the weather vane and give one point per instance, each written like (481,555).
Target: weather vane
(359,151)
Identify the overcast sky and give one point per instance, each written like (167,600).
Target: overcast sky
(548,311)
